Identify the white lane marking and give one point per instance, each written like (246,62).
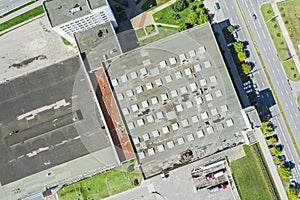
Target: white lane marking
(264,36)
(273,59)
(277,69)
(269,48)
(259,36)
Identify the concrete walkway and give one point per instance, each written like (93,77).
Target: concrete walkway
(146,18)
(21,11)
(273,170)
(286,35)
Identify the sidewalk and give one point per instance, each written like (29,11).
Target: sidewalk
(21,11)
(273,170)
(286,35)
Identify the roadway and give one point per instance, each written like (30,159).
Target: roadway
(279,80)
(8,5)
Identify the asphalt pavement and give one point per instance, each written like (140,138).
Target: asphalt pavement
(279,80)
(282,88)
(8,5)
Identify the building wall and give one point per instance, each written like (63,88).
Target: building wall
(98,16)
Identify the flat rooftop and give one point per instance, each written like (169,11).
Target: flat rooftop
(49,117)
(60,12)
(176,94)
(97,45)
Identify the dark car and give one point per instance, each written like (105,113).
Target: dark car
(254,17)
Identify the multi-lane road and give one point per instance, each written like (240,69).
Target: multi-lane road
(282,88)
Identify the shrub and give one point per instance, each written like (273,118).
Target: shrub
(180,5)
(269,11)
(283,14)
(136,182)
(278,34)
(182,27)
(130,168)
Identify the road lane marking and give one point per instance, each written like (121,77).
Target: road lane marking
(264,36)
(265,49)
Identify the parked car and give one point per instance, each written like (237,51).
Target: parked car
(217,6)
(249,91)
(247,83)
(247,87)
(257,93)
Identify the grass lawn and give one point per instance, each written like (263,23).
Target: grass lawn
(152,4)
(290,12)
(291,70)
(140,33)
(65,41)
(102,185)
(16,9)
(279,42)
(163,32)
(249,176)
(22,18)
(165,16)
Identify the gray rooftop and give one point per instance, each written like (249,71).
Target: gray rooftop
(98,44)
(48,118)
(59,12)
(176,94)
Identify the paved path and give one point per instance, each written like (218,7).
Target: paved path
(21,11)
(146,18)
(286,35)
(277,181)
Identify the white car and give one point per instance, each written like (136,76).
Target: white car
(247,83)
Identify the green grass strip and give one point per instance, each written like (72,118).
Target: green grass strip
(267,170)
(22,18)
(270,82)
(16,9)
(249,176)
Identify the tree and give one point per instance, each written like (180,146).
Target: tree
(285,172)
(193,18)
(182,27)
(273,140)
(230,29)
(202,16)
(276,151)
(246,68)
(261,108)
(278,161)
(238,46)
(241,56)
(180,5)
(293,193)
(269,133)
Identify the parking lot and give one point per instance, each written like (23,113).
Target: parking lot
(34,44)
